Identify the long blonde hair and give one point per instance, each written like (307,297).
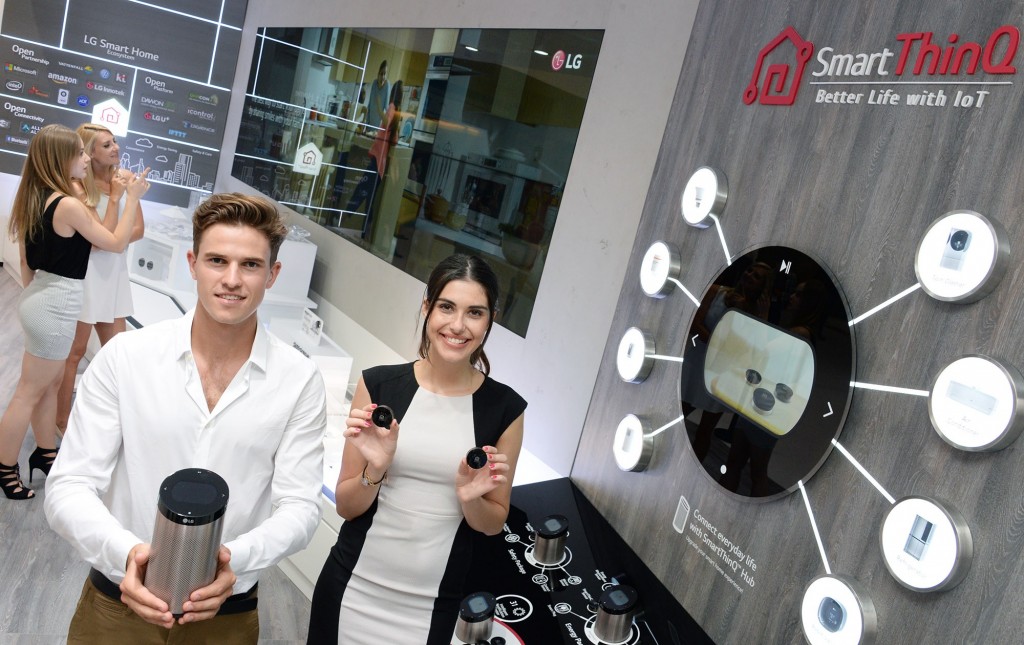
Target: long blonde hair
(50,155)
(88,132)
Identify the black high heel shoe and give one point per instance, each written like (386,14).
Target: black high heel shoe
(11,484)
(41,459)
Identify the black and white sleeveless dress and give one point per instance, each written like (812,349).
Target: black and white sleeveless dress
(398,571)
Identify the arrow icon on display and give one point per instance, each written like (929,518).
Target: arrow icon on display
(829,403)
(694,339)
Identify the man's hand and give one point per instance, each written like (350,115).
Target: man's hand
(134,593)
(205,602)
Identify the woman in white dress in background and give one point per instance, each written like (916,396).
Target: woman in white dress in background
(107,298)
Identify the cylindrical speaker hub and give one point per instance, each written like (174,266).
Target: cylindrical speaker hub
(186,535)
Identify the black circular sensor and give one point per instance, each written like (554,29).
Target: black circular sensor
(476,458)
(619,599)
(477,607)
(553,526)
(753,377)
(764,400)
(382,416)
(783,392)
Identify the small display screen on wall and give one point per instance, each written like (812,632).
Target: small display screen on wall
(169,64)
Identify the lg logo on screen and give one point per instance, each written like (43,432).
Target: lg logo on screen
(568,61)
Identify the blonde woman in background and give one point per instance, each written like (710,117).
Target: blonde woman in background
(55,232)
(107,296)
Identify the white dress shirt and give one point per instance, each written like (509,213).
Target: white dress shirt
(140,414)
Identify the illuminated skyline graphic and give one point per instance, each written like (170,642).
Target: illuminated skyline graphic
(180,175)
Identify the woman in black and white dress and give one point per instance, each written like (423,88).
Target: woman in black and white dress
(413,506)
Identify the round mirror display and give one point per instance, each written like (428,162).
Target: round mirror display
(767,371)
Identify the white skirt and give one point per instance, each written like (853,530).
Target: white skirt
(107,293)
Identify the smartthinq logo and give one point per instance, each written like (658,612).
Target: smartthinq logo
(779,82)
(912,58)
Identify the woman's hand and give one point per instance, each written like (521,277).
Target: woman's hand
(472,483)
(118,184)
(137,184)
(376,445)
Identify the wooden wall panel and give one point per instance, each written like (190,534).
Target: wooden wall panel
(856,186)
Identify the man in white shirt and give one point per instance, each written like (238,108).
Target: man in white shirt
(211,390)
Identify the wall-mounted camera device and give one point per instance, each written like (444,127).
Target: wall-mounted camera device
(382,416)
(476,458)
(955,251)
(920,535)
(831,614)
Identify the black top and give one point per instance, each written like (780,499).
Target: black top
(63,256)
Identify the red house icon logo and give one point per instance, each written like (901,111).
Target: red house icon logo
(779,82)
(110,115)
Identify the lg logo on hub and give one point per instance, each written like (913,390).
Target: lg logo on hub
(568,61)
